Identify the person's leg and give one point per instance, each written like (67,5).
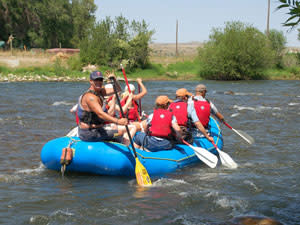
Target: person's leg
(122,131)
(157,144)
(139,139)
(132,131)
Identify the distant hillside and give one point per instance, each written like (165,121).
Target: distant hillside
(169,49)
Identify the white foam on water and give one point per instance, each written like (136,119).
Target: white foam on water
(39,169)
(184,194)
(294,103)
(39,219)
(62,212)
(256,109)
(9,178)
(62,103)
(235,114)
(163,182)
(251,184)
(243,108)
(250,93)
(226,203)
(212,194)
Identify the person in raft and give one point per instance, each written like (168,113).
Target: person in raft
(203,107)
(92,115)
(160,126)
(108,97)
(186,116)
(132,112)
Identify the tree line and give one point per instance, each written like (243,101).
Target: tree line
(46,23)
(72,24)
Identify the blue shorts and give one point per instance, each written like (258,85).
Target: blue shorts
(104,133)
(152,143)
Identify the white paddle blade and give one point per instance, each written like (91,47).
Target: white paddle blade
(226,160)
(245,136)
(73,132)
(206,157)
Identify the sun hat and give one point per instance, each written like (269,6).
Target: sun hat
(96,75)
(162,100)
(201,87)
(183,92)
(132,87)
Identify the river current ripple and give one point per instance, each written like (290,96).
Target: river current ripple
(266,183)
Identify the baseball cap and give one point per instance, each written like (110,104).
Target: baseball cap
(162,100)
(183,92)
(96,75)
(132,87)
(201,87)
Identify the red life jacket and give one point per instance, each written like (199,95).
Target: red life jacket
(107,101)
(161,124)
(179,109)
(132,113)
(203,111)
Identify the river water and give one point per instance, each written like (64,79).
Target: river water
(266,183)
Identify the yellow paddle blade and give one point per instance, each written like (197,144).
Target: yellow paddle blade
(142,176)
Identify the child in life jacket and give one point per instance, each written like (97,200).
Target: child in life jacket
(133,111)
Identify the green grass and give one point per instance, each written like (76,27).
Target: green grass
(186,70)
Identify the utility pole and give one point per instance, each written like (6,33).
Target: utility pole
(176,38)
(9,41)
(268,19)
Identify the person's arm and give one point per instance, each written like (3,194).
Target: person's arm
(177,130)
(74,108)
(128,102)
(143,90)
(203,131)
(112,106)
(94,105)
(220,117)
(118,86)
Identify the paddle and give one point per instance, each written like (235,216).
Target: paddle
(205,156)
(73,132)
(142,176)
(126,81)
(242,134)
(226,160)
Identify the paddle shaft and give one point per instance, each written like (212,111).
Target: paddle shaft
(140,100)
(127,129)
(126,81)
(230,127)
(238,133)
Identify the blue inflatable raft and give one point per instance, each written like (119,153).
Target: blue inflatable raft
(111,158)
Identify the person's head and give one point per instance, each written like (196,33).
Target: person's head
(183,94)
(201,90)
(162,102)
(132,88)
(96,80)
(109,89)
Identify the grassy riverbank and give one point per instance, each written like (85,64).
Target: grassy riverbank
(42,66)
